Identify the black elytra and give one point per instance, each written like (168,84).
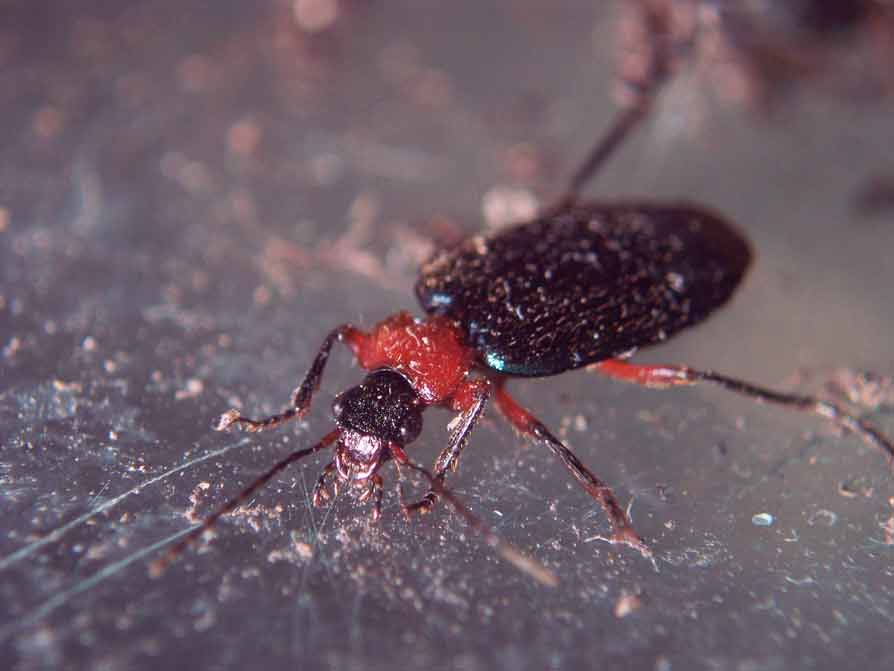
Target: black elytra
(592,283)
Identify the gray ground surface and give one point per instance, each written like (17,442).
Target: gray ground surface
(193,193)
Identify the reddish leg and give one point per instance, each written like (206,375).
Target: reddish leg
(374,490)
(322,493)
(301,397)
(663,377)
(469,399)
(528,425)
(506,550)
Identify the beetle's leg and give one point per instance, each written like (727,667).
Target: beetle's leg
(158,566)
(301,397)
(663,377)
(505,549)
(469,399)
(322,492)
(374,490)
(643,74)
(528,425)
(377,503)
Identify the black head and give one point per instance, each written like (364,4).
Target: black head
(381,410)
(384,406)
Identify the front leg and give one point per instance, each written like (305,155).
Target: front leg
(322,493)
(374,491)
(469,399)
(302,396)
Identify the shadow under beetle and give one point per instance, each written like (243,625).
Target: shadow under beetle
(583,285)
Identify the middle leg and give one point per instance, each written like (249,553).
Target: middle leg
(470,399)
(528,425)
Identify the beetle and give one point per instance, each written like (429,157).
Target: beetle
(583,285)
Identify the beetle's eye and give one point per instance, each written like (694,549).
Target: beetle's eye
(411,426)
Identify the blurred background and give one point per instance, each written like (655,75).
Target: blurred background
(193,193)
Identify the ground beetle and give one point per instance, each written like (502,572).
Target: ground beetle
(583,285)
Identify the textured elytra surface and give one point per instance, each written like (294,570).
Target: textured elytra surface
(590,284)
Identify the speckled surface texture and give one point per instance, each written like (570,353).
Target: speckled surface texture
(192,194)
(595,282)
